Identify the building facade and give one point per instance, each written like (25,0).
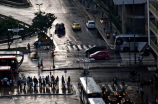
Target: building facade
(152,6)
(130,10)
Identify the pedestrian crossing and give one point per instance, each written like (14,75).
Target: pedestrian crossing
(113,88)
(79,47)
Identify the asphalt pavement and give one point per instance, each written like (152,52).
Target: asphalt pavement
(131,91)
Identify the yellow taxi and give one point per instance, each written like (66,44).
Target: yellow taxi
(76,26)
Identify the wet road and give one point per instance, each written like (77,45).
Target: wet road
(41,100)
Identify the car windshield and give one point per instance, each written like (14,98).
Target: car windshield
(77,25)
(91,23)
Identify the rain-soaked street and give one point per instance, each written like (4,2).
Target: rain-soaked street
(41,100)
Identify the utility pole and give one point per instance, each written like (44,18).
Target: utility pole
(16,37)
(134,34)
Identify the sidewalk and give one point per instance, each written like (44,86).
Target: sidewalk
(9,91)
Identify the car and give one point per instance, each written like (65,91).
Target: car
(90,24)
(76,26)
(94,49)
(100,55)
(59,27)
(119,94)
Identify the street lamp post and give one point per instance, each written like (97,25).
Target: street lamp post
(15,37)
(134,34)
(39,6)
(129,55)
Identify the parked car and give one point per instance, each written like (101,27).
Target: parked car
(94,49)
(76,26)
(100,55)
(59,27)
(90,24)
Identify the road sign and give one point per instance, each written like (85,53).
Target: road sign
(65,71)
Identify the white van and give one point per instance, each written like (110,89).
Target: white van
(90,24)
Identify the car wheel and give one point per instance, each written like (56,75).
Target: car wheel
(107,58)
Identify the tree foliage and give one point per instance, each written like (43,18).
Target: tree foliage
(7,23)
(43,21)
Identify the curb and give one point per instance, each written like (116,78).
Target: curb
(72,88)
(94,68)
(32,95)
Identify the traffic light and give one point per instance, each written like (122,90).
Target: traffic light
(46,38)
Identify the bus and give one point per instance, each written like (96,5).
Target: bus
(125,42)
(9,60)
(5,71)
(88,89)
(95,101)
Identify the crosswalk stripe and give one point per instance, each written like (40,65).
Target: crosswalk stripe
(122,86)
(74,46)
(79,46)
(84,46)
(110,88)
(69,47)
(89,46)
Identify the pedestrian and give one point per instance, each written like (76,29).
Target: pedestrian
(141,92)
(27,79)
(104,28)
(42,63)
(87,8)
(116,32)
(52,78)
(38,65)
(69,79)
(19,82)
(11,82)
(24,80)
(108,36)
(62,79)
(40,81)
(102,14)
(43,81)
(151,82)
(138,77)
(114,36)
(8,84)
(39,43)
(68,83)
(64,84)
(137,88)
(146,98)
(28,46)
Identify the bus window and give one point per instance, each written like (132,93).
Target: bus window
(119,41)
(3,62)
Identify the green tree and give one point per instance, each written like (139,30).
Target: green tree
(5,24)
(43,21)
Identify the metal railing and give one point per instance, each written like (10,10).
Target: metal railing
(154,46)
(153,9)
(153,28)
